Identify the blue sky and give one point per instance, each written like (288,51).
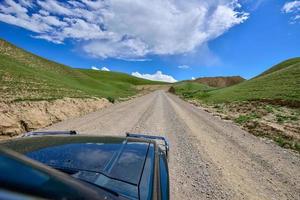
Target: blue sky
(180,39)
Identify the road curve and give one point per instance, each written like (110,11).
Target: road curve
(209,158)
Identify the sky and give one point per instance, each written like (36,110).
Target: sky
(168,40)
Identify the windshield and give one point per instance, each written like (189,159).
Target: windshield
(80,156)
(28,178)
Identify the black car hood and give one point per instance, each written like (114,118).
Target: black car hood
(109,160)
(116,163)
(122,161)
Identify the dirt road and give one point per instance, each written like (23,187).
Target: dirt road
(210,158)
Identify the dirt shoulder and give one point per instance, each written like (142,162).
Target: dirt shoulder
(260,118)
(19,117)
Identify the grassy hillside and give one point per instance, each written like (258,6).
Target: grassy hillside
(24,76)
(281,82)
(281,65)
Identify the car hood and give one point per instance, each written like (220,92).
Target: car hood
(118,158)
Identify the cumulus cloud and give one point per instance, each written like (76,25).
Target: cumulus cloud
(102,69)
(193,78)
(183,67)
(158,76)
(105,69)
(95,68)
(293,8)
(125,29)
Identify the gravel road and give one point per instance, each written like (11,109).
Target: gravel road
(209,158)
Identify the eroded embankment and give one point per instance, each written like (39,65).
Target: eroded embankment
(261,118)
(19,117)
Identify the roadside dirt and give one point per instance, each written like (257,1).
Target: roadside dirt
(209,158)
(277,122)
(18,117)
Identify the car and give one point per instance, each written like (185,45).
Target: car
(67,165)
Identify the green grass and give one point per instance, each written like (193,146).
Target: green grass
(282,118)
(245,118)
(281,82)
(287,143)
(192,89)
(24,76)
(281,65)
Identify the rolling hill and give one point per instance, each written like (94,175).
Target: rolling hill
(280,82)
(25,76)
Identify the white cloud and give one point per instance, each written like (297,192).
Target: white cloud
(158,76)
(125,29)
(102,69)
(193,78)
(297,17)
(183,67)
(105,69)
(95,68)
(293,8)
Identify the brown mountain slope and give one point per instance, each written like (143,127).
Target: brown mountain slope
(220,81)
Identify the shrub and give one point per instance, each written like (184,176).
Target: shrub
(111,99)
(269,109)
(172,90)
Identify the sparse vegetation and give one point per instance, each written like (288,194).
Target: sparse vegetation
(283,118)
(245,118)
(111,99)
(287,143)
(280,124)
(269,108)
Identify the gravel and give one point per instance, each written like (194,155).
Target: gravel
(209,158)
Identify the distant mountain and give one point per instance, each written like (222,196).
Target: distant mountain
(25,76)
(220,81)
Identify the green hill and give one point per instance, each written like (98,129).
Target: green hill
(281,82)
(25,76)
(281,65)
